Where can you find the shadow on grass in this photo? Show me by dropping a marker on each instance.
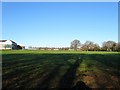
(81, 86)
(110, 61)
(46, 81)
(107, 65)
(67, 80)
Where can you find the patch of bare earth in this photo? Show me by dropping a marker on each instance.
(99, 79)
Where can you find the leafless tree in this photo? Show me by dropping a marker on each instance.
(90, 46)
(109, 46)
(75, 44)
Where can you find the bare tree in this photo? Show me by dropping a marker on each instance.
(90, 46)
(117, 47)
(109, 46)
(96, 47)
(75, 44)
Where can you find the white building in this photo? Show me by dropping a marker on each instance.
(7, 44)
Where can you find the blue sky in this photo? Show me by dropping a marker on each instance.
(57, 24)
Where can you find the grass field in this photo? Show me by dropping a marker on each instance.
(60, 69)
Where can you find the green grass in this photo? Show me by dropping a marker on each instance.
(55, 52)
(56, 69)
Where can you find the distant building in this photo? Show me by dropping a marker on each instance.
(7, 44)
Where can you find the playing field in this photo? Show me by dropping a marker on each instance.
(59, 69)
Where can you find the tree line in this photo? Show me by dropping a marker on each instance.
(91, 46)
(87, 46)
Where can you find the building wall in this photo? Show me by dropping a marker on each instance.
(2, 46)
(8, 45)
(5, 46)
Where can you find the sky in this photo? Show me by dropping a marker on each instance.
(56, 24)
(60, 0)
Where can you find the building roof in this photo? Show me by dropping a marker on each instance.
(6, 40)
(12, 41)
(3, 40)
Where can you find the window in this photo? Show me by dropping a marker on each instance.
(8, 46)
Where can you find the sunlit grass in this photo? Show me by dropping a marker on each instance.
(55, 52)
